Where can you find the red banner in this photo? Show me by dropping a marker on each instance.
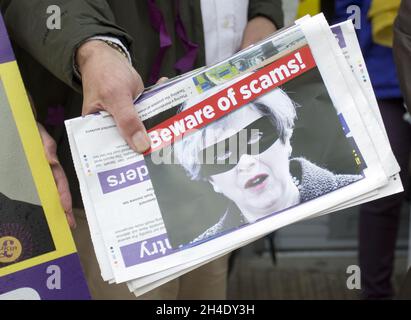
(232, 98)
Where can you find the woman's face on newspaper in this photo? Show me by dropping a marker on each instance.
(258, 183)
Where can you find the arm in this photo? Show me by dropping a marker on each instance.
(402, 49)
(50, 149)
(264, 18)
(54, 49)
(108, 81)
(60, 178)
(270, 9)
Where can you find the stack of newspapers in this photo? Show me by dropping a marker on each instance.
(285, 130)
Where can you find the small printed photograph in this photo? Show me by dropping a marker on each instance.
(234, 67)
(285, 148)
(249, 60)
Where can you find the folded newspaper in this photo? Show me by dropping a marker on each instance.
(285, 130)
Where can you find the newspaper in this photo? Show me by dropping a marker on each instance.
(348, 42)
(353, 54)
(282, 131)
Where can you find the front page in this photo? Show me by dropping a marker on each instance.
(261, 141)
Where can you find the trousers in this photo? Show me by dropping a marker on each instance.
(379, 220)
(208, 282)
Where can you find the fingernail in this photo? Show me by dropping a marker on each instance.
(141, 141)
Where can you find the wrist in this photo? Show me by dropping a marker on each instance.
(87, 51)
(94, 48)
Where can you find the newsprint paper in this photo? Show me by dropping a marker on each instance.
(285, 130)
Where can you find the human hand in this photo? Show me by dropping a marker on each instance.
(50, 149)
(111, 84)
(256, 30)
(162, 80)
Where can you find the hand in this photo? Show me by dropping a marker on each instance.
(256, 30)
(111, 84)
(50, 148)
(162, 80)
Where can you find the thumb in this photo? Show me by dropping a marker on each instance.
(131, 127)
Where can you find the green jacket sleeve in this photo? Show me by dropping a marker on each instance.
(26, 21)
(402, 49)
(271, 9)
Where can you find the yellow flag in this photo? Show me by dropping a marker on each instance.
(310, 7)
(382, 15)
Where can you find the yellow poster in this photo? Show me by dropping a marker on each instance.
(38, 258)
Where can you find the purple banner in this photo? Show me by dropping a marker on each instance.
(339, 36)
(146, 250)
(344, 124)
(6, 52)
(124, 177)
(60, 279)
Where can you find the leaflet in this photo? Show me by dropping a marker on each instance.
(282, 131)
